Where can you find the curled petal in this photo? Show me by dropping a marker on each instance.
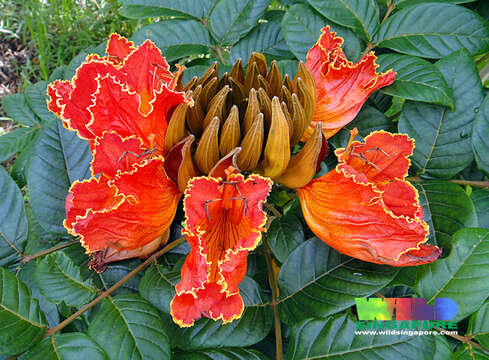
(113, 153)
(119, 47)
(341, 86)
(149, 204)
(224, 221)
(354, 219)
(382, 157)
(115, 107)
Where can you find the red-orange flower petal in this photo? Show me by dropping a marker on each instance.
(116, 108)
(119, 47)
(365, 209)
(112, 153)
(149, 204)
(341, 86)
(224, 221)
(382, 157)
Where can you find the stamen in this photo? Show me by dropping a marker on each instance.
(367, 162)
(245, 201)
(378, 149)
(349, 148)
(206, 206)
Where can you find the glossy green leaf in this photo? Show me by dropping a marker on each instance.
(158, 286)
(480, 136)
(70, 346)
(288, 67)
(27, 275)
(266, 38)
(434, 30)
(469, 352)
(141, 9)
(128, 327)
(462, 276)
(15, 141)
(16, 107)
(302, 26)
(59, 279)
(443, 137)
(35, 96)
(176, 38)
(334, 338)
(416, 79)
(362, 16)
(405, 3)
(222, 354)
(479, 325)
(22, 323)
(230, 20)
(480, 198)
(443, 350)
(13, 220)
(207, 333)
(284, 235)
(369, 119)
(317, 281)
(447, 209)
(59, 157)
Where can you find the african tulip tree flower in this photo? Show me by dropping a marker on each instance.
(155, 141)
(342, 87)
(365, 208)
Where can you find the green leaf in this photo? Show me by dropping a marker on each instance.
(59, 279)
(443, 350)
(447, 209)
(35, 96)
(462, 276)
(317, 281)
(15, 141)
(16, 107)
(416, 79)
(479, 325)
(27, 275)
(157, 286)
(231, 20)
(334, 338)
(222, 354)
(71, 346)
(207, 333)
(19, 169)
(369, 119)
(362, 16)
(469, 352)
(406, 3)
(288, 67)
(128, 327)
(59, 157)
(284, 235)
(266, 38)
(480, 141)
(142, 9)
(13, 220)
(176, 38)
(443, 137)
(302, 26)
(424, 30)
(480, 198)
(22, 323)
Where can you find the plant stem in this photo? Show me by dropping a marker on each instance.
(219, 54)
(27, 258)
(273, 209)
(274, 287)
(114, 287)
(390, 9)
(481, 184)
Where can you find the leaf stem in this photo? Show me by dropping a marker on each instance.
(481, 184)
(219, 54)
(27, 258)
(273, 209)
(114, 287)
(272, 278)
(390, 9)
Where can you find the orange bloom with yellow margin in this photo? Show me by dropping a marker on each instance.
(342, 87)
(365, 208)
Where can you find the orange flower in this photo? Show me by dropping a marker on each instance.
(126, 207)
(224, 221)
(341, 86)
(365, 208)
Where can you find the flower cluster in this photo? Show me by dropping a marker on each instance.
(220, 142)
